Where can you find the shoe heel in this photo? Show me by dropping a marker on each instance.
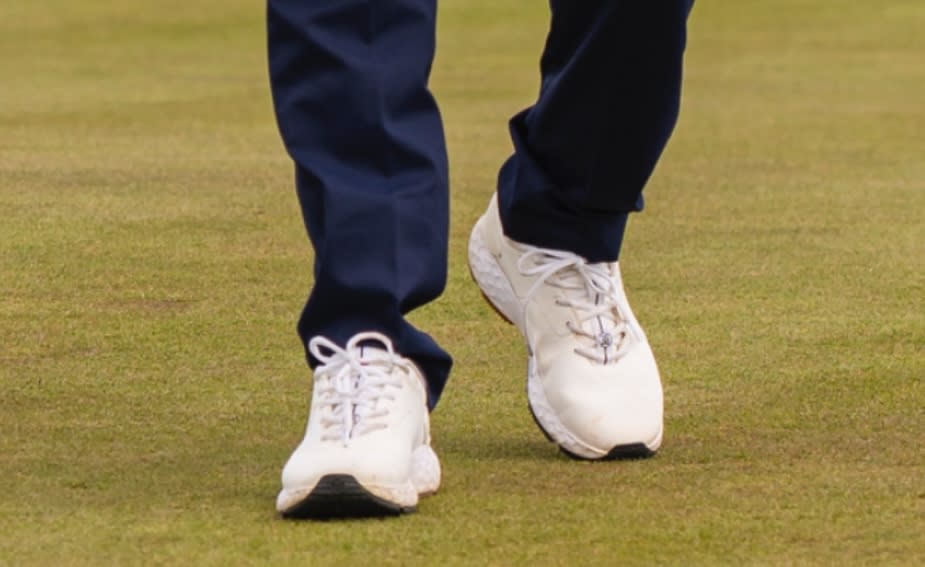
(484, 270)
(488, 299)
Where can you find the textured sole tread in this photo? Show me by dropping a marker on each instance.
(341, 496)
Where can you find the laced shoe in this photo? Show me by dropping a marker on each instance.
(592, 385)
(366, 451)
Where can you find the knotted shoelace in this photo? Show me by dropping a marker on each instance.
(356, 380)
(590, 291)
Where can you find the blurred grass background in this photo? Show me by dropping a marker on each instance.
(153, 262)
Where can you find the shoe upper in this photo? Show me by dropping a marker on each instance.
(587, 349)
(368, 414)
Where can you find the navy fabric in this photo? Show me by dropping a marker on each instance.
(609, 99)
(349, 83)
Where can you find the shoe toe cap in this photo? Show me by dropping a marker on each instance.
(607, 406)
(369, 466)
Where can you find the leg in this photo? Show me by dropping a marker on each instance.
(545, 252)
(611, 84)
(349, 81)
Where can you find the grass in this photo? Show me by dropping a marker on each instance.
(153, 264)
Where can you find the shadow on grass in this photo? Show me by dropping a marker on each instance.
(531, 447)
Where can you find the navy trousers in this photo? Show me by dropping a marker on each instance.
(349, 83)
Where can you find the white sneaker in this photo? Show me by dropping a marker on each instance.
(593, 385)
(367, 449)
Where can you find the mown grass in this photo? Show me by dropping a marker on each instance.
(153, 264)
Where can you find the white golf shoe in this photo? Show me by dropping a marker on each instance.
(593, 385)
(366, 451)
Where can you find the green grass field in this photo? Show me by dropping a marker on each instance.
(153, 263)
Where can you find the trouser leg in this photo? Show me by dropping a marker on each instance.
(609, 100)
(349, 83)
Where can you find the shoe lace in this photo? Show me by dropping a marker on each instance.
(357, 382)
(590, 291)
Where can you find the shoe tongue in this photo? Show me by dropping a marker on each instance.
(371, 354)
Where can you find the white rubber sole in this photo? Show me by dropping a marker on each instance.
(344, 495)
